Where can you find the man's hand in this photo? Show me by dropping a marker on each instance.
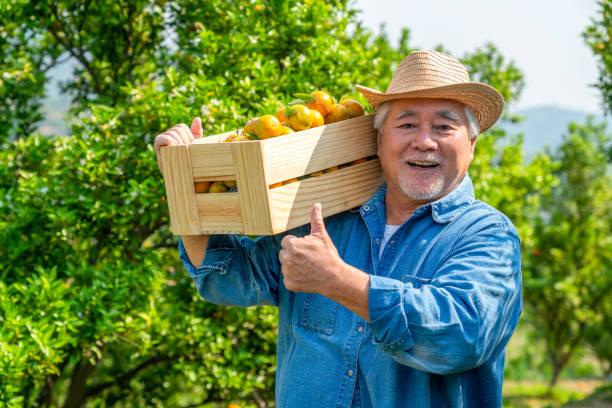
(311, 262)
(178, 135)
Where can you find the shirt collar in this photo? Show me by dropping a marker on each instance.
(443, 210)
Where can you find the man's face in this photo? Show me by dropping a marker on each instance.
(425, 148)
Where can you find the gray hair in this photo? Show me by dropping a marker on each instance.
(383, 110)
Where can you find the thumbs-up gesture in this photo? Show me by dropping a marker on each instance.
(311, 262)
(179, 134)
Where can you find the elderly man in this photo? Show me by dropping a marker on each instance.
(408, 301)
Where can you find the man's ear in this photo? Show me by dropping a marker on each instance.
(378, 136)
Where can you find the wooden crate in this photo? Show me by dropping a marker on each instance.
(257, 209)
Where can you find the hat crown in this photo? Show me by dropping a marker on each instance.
(427, 69)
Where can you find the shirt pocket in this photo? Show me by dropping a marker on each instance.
(315, 312)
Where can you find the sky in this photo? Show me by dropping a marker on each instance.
(542, 37)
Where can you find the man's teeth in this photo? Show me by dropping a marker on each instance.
(422, 163)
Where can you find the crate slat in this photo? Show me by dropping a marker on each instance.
(219, 213)
(212, 161)
(180, 191)
(336, 191)
(252, 187)
(319, 148)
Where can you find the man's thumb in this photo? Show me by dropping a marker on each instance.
(196, 128)
(317, 227)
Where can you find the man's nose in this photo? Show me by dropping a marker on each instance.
(423, 139)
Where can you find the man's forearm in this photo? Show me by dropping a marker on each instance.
(351, 290)
(195, 245)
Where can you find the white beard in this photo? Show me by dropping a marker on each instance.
(420, 192)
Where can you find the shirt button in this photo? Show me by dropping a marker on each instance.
(350, 373)
(360, 329)
(377, 241)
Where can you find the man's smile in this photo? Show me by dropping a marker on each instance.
(423, 164)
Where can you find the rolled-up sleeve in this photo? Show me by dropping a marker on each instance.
(462, 316)
(237, 271)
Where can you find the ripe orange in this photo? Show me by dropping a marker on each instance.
(300, 117)
(280, 115)
(267, 126)
(317, 118)
(362, 160)
(336, 114)
(217, 187)
(353, 107)
(280, 183)
(293, 180)
(250, 126)
(285, 130)
(322, 102)
(201, 186)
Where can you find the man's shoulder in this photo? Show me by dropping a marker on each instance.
(485, 215)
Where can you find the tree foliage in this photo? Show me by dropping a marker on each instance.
(567, 275)
(598, 36)
(94, 304)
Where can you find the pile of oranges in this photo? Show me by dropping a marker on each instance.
(309, 111)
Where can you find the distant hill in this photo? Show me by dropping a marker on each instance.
(545, 126)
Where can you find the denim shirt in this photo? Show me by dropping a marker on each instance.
(444, 299)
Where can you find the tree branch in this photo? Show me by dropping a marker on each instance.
(127, 376)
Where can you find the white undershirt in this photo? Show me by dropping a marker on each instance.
(389, 231)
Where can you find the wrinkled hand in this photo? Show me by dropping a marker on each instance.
(178, 135)
(311, 263)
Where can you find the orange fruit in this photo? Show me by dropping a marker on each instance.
(285, 130)
(322, 102)
(267, 126)
(300, 117)
(250, 126)
(280, 183)
(217, 187)
(333, 168)
(230, 184)
(201, 186)
(362, 160)
(336, 114)
(353, 107)
(317, 118)
(280, 115)
(293, 180)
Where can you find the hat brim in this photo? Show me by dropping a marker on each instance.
(484, 100)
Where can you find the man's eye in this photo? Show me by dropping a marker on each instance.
(444, 128)
(407, 125)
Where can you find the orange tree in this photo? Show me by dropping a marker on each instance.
(94, 305)
(598, 36)
(568, 273)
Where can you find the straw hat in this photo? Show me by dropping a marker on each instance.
(431, 74)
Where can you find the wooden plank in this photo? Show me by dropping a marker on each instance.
(336, 191)
(180, 191)
(215, 138)
(319, 148)
(219, 213)
(252, 187)
(212, 161)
